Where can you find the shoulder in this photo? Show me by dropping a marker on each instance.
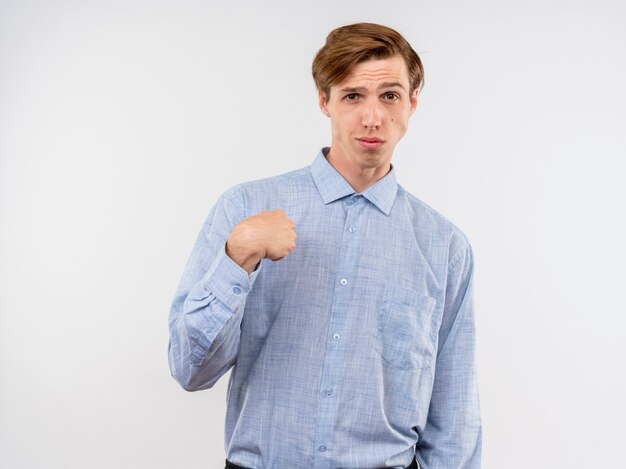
(270, 189)
(292, 177)
(426, 219)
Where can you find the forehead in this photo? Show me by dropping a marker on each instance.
(375, 71)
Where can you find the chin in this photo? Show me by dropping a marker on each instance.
(372, 162)
(375, 156)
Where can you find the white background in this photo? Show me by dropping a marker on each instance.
(122, 121)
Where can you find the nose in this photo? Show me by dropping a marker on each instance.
(371, 116)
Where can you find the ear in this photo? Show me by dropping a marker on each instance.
(321, 96)
(414, 99)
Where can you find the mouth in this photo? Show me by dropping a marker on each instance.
(370, 143)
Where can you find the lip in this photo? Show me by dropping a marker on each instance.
(370, 143)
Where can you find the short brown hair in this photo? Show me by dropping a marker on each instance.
(355, 43)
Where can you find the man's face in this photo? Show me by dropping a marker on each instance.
(369, 113)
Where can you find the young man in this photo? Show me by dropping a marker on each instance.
(352, 346)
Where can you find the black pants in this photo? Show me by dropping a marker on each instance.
(230, 465)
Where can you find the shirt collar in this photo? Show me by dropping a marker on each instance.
(332, 186)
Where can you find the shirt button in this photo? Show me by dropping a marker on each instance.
(329, 392)
(236, 289)
(344, 282)
(336, 336)
(322, 448)
(352, 229)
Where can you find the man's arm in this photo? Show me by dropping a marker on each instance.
(453, 433)
(207, 310)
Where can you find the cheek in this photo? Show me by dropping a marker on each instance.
(400, 122)
(347, 122)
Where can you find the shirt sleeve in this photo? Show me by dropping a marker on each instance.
(206, 313)
(452, 436)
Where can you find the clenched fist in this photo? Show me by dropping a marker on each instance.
(268, 235)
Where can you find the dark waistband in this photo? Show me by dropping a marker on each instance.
(230, 465)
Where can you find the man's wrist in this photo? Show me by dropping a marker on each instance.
(247, 259)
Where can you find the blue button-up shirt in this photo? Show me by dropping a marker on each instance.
(356, 350)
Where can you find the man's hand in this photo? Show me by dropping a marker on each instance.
(268, 235)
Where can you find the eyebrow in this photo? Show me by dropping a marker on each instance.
(359, 89)
(391, 84)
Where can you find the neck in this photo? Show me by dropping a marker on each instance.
(359, 178)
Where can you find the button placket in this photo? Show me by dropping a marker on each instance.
(338, 341)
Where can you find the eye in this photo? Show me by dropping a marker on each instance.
(391, 97)
(351, 97)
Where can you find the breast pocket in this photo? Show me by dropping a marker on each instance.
(405, 337)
